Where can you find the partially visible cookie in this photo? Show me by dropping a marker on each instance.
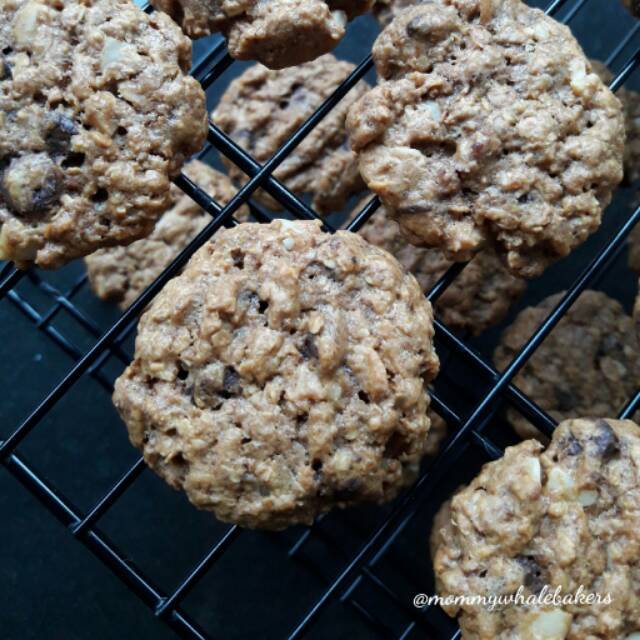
(282, 373)
(633, 6)
(588, 365)
(262, 108)
(564, 517)
(437, 433)
(631, 105)
(120, 274)
(96, 114)
(477, 299)
(278, 33)
(488, 127)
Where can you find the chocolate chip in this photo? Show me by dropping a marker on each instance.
(31, 184)
(571, 445)
(396, 445)
(60, 128)
(5, 70)
(73, 159)
(308, 347)
(534, 578)
(231, 382)
(238, 258)
(100, 195)
(606, 441)
(610, 347)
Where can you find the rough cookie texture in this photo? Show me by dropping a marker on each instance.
(386, 10)
(568, 516)
(488, 128)
(96, 114)
(588, 365)
(437, 433)
(284, 372)
(477, 299)
(278, 33)
(261, 109)
(631, 105)
(120, 274)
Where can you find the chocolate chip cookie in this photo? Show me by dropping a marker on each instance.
(477, 299)
(262, 108)
(588, 365)
(120, 274)
(282, 373)
(488, 127)
(540, 519)
(277, 33)
(96, 114)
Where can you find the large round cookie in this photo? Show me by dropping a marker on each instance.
(282, 373)
(96, 114)
(488, 128)
(477, 299)
(567, 517)
(261, 109)
(120, 274)
(589, 365)
(277, 33)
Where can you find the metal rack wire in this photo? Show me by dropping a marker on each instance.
(360, 573)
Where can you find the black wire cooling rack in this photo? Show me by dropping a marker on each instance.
(363, 562)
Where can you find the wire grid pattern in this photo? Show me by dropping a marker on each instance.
(356, 568)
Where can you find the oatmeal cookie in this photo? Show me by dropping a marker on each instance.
(539, 519)
(488, 127)
(282, 373)
(277, 33)
(121, 274)
(261, 109)
(588, 365)
(631, 105)
(476, 300)
(96, 114)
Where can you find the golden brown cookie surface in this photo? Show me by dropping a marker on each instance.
(282, 373)
(277, 33)
(477, 299)
(488, 127)
(588, 365)
(120, 274)
(96, 115)
(566, 516)
(261, 109)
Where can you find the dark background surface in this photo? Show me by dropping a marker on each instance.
(51, 587)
